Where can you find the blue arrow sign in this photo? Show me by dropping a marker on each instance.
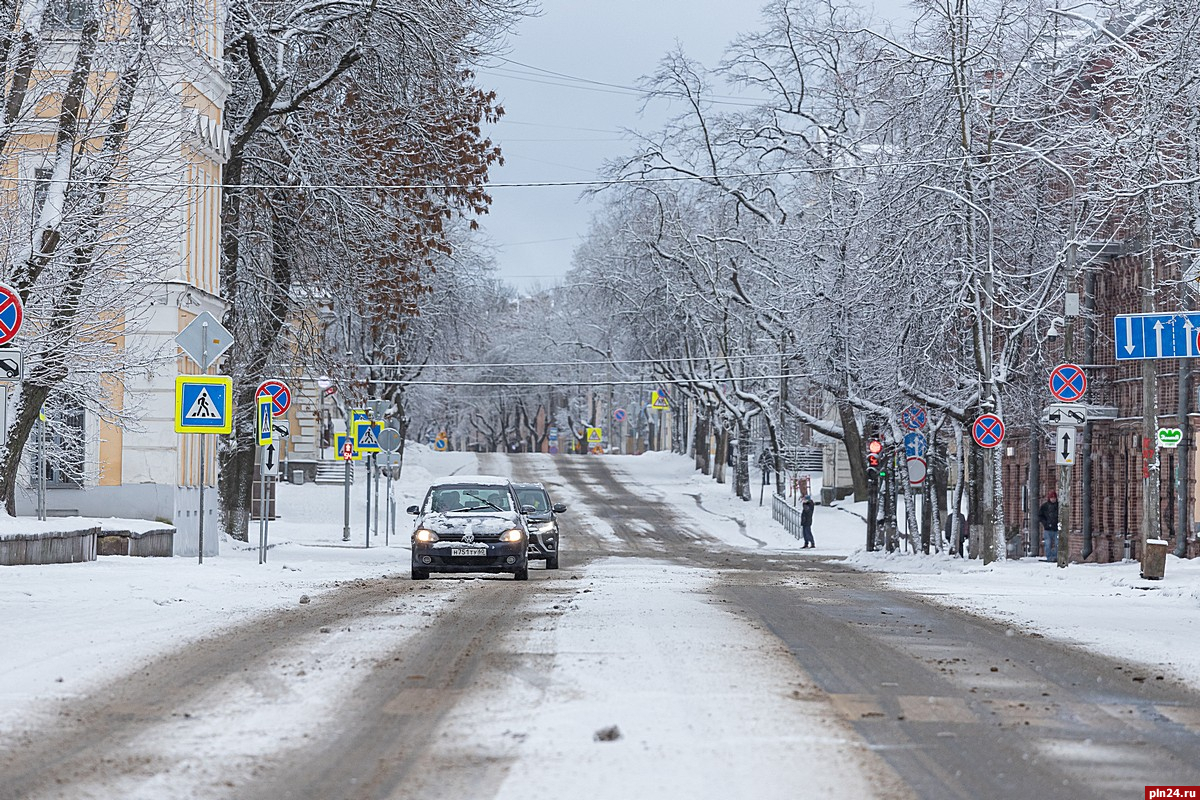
(1145, 336)
(915, 445)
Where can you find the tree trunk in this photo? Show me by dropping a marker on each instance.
(248, 363)
(855, 452)
(741, 479)
(722, 454)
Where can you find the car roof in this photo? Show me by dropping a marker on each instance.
(529, 486)
(471, 480)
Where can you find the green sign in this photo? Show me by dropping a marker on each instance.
(1170, 437)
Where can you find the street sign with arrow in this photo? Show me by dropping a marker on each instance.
(270, 461)
(1064, 445)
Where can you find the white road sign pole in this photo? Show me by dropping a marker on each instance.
(203, 444)
(262, 505)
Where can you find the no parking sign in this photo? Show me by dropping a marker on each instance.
(988, 431)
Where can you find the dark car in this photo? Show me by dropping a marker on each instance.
(470, 524)
(541, 519)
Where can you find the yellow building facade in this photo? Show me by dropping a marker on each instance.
(130, 462)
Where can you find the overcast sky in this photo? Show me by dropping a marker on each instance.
(562, 129)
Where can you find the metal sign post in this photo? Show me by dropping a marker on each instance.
(389, 443)
(347, 453)
(262, 505)
(265, 432)
(370, 459)
(204, 340)
(375, 473)
(42, 465)
(203, 444)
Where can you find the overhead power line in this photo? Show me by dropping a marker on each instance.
(631, 180)
(600, 363)
(641, 382)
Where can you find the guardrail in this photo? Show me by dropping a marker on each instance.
(786, 515)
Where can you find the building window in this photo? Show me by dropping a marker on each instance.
(64, 448)
(68, 15)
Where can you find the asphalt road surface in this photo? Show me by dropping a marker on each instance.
(950, 702)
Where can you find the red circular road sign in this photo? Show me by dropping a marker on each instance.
(913, 418)
(916, 470)
(11, 313)
(1068, 383)
(988, 431)
(280, 394)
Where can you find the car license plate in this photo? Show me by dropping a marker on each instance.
(468, 551)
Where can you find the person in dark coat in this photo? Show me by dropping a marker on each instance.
(1048, 517)
(806, 515)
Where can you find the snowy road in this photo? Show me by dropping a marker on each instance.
(720, 668)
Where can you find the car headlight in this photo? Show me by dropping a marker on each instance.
(545, 527)
(513, 535)
(425, 535)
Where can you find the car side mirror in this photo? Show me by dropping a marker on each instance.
(414, 510)
(560, 508)
(527, 510)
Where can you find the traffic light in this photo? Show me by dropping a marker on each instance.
(874, 449)
(874, 453)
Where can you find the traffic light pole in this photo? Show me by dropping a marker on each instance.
(872, 501)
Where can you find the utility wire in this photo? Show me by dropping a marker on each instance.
(641, 382)
(676, 178)
(602, 363)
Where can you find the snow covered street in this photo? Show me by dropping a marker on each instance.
(685, 649)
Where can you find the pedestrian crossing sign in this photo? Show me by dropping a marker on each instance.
(595, 435)
(263, 430)
(658, 401)
(366, 436)
(203, 404)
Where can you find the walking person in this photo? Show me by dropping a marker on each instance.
(1048, 517)
(806, 515)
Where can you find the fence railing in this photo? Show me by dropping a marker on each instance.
(786, 515)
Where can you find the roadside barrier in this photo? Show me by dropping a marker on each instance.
(786, 515)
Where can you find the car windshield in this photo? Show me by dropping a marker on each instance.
(534, 497)
(470, 498)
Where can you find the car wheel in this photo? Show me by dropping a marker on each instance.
(522, 574)
(420, 574)
(552, 561)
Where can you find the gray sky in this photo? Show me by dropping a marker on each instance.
(558, 129)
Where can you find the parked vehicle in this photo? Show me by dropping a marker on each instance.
(541, 519)
(470, 523)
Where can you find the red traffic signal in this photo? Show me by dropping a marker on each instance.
(874, 448)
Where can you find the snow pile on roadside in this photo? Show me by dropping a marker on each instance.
(30, 528)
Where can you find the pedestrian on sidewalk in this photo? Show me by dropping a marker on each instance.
(806, 515)
(1048, 517)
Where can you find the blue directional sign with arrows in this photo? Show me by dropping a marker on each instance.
(914, 445)
(1145, 336)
